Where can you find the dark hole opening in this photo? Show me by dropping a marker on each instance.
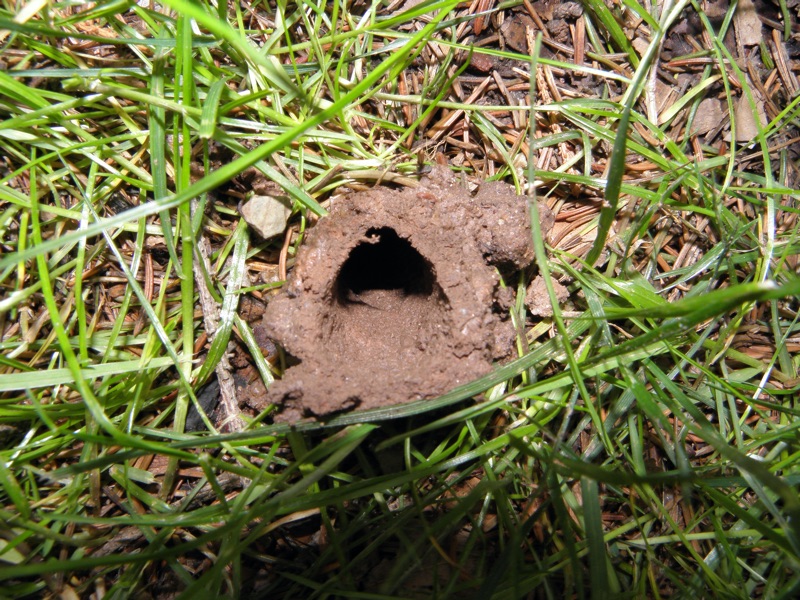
(388, 263)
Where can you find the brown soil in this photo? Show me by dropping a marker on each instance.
(396, 296)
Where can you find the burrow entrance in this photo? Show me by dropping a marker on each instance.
(384, 261)
(388, 309)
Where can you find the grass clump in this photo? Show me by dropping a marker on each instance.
(644, 443)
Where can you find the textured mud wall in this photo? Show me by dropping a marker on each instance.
(395, 296)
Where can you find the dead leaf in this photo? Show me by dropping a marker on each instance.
(746, 125)
(747, 24)
(514, 31)
(640, 45)
(708, 116)
(666, 95)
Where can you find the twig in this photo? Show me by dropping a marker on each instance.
(232, 420)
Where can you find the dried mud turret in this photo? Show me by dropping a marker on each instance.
(396, 297)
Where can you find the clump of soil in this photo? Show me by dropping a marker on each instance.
(396, 297)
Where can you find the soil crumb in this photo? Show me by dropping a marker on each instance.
(396, 296)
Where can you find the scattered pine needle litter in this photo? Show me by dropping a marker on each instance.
(644, 439)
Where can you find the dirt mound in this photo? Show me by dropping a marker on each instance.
(395, 296)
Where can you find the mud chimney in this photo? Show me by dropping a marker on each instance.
(396, 297)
